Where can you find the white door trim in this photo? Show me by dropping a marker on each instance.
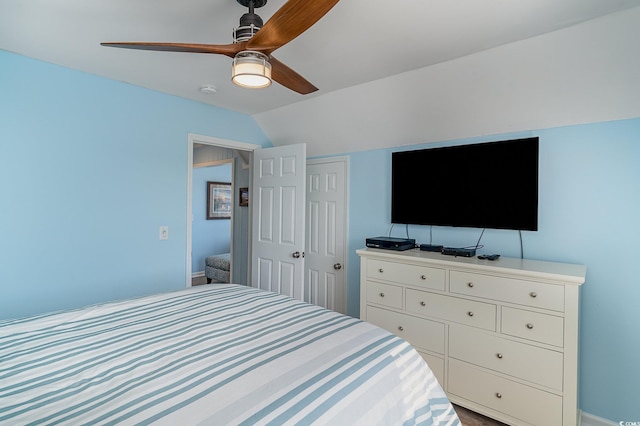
(193, 138)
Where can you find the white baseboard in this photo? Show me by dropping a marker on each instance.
(587, 419)
(197, 274)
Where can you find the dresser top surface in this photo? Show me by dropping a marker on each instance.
(567, 272)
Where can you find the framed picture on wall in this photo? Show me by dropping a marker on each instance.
(243, 197)
(218, 200)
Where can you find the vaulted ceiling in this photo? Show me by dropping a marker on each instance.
(357, 42)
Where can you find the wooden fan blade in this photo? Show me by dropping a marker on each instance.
(291, 20)
(229, 50)
(289, 78)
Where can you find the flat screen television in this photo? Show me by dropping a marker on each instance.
(484, 185)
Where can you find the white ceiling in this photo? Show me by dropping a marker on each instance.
(358, 41)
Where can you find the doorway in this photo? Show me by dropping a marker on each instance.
(328, 269)
(211, 233)
(240, 154)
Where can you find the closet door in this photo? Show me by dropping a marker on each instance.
(325, 261)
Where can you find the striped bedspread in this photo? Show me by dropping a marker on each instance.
(215, 355)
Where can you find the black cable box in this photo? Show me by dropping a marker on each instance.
(391, 243)
(464, 252)
(430, 247)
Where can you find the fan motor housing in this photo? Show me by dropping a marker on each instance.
(250, 22)
(249, 19)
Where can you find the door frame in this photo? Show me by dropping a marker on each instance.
(193, 138)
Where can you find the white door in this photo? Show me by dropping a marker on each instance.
(325, 260)
(278, 197)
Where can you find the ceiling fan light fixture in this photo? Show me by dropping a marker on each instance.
(251, 69)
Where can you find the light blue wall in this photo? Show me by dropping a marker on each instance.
(90, 169)
(209, 236)
(589, 213)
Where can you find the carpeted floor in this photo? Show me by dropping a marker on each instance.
(198, 280)
(201, 280)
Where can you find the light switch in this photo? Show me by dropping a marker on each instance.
(164, 232)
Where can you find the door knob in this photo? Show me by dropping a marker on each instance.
(337, 266)
(296, 255)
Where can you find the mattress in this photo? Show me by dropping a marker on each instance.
(212, 354)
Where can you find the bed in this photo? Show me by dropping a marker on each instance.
(213, 354)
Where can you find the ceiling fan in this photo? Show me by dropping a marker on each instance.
(253, 64)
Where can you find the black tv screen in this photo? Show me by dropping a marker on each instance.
(484, 185)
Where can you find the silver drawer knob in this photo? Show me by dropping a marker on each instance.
(423, 304)
(498, 395)
(499, 356)
(381, 294)
(401, 328)
(424, 277)
(469, 284)
(533, 294)
(470, 313)
(381, 270)
(530, 326)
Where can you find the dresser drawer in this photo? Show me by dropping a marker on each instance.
(384, 294)
(533, 326)
(530, 405)
(420, 332)
(424, 276)
(531, 363)
(522, 292)
(436, 364)
(469, 312)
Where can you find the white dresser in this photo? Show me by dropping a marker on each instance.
(501, 336)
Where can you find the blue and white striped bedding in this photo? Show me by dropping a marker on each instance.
(215, 354)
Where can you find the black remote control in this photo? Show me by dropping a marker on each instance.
(489, 256)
